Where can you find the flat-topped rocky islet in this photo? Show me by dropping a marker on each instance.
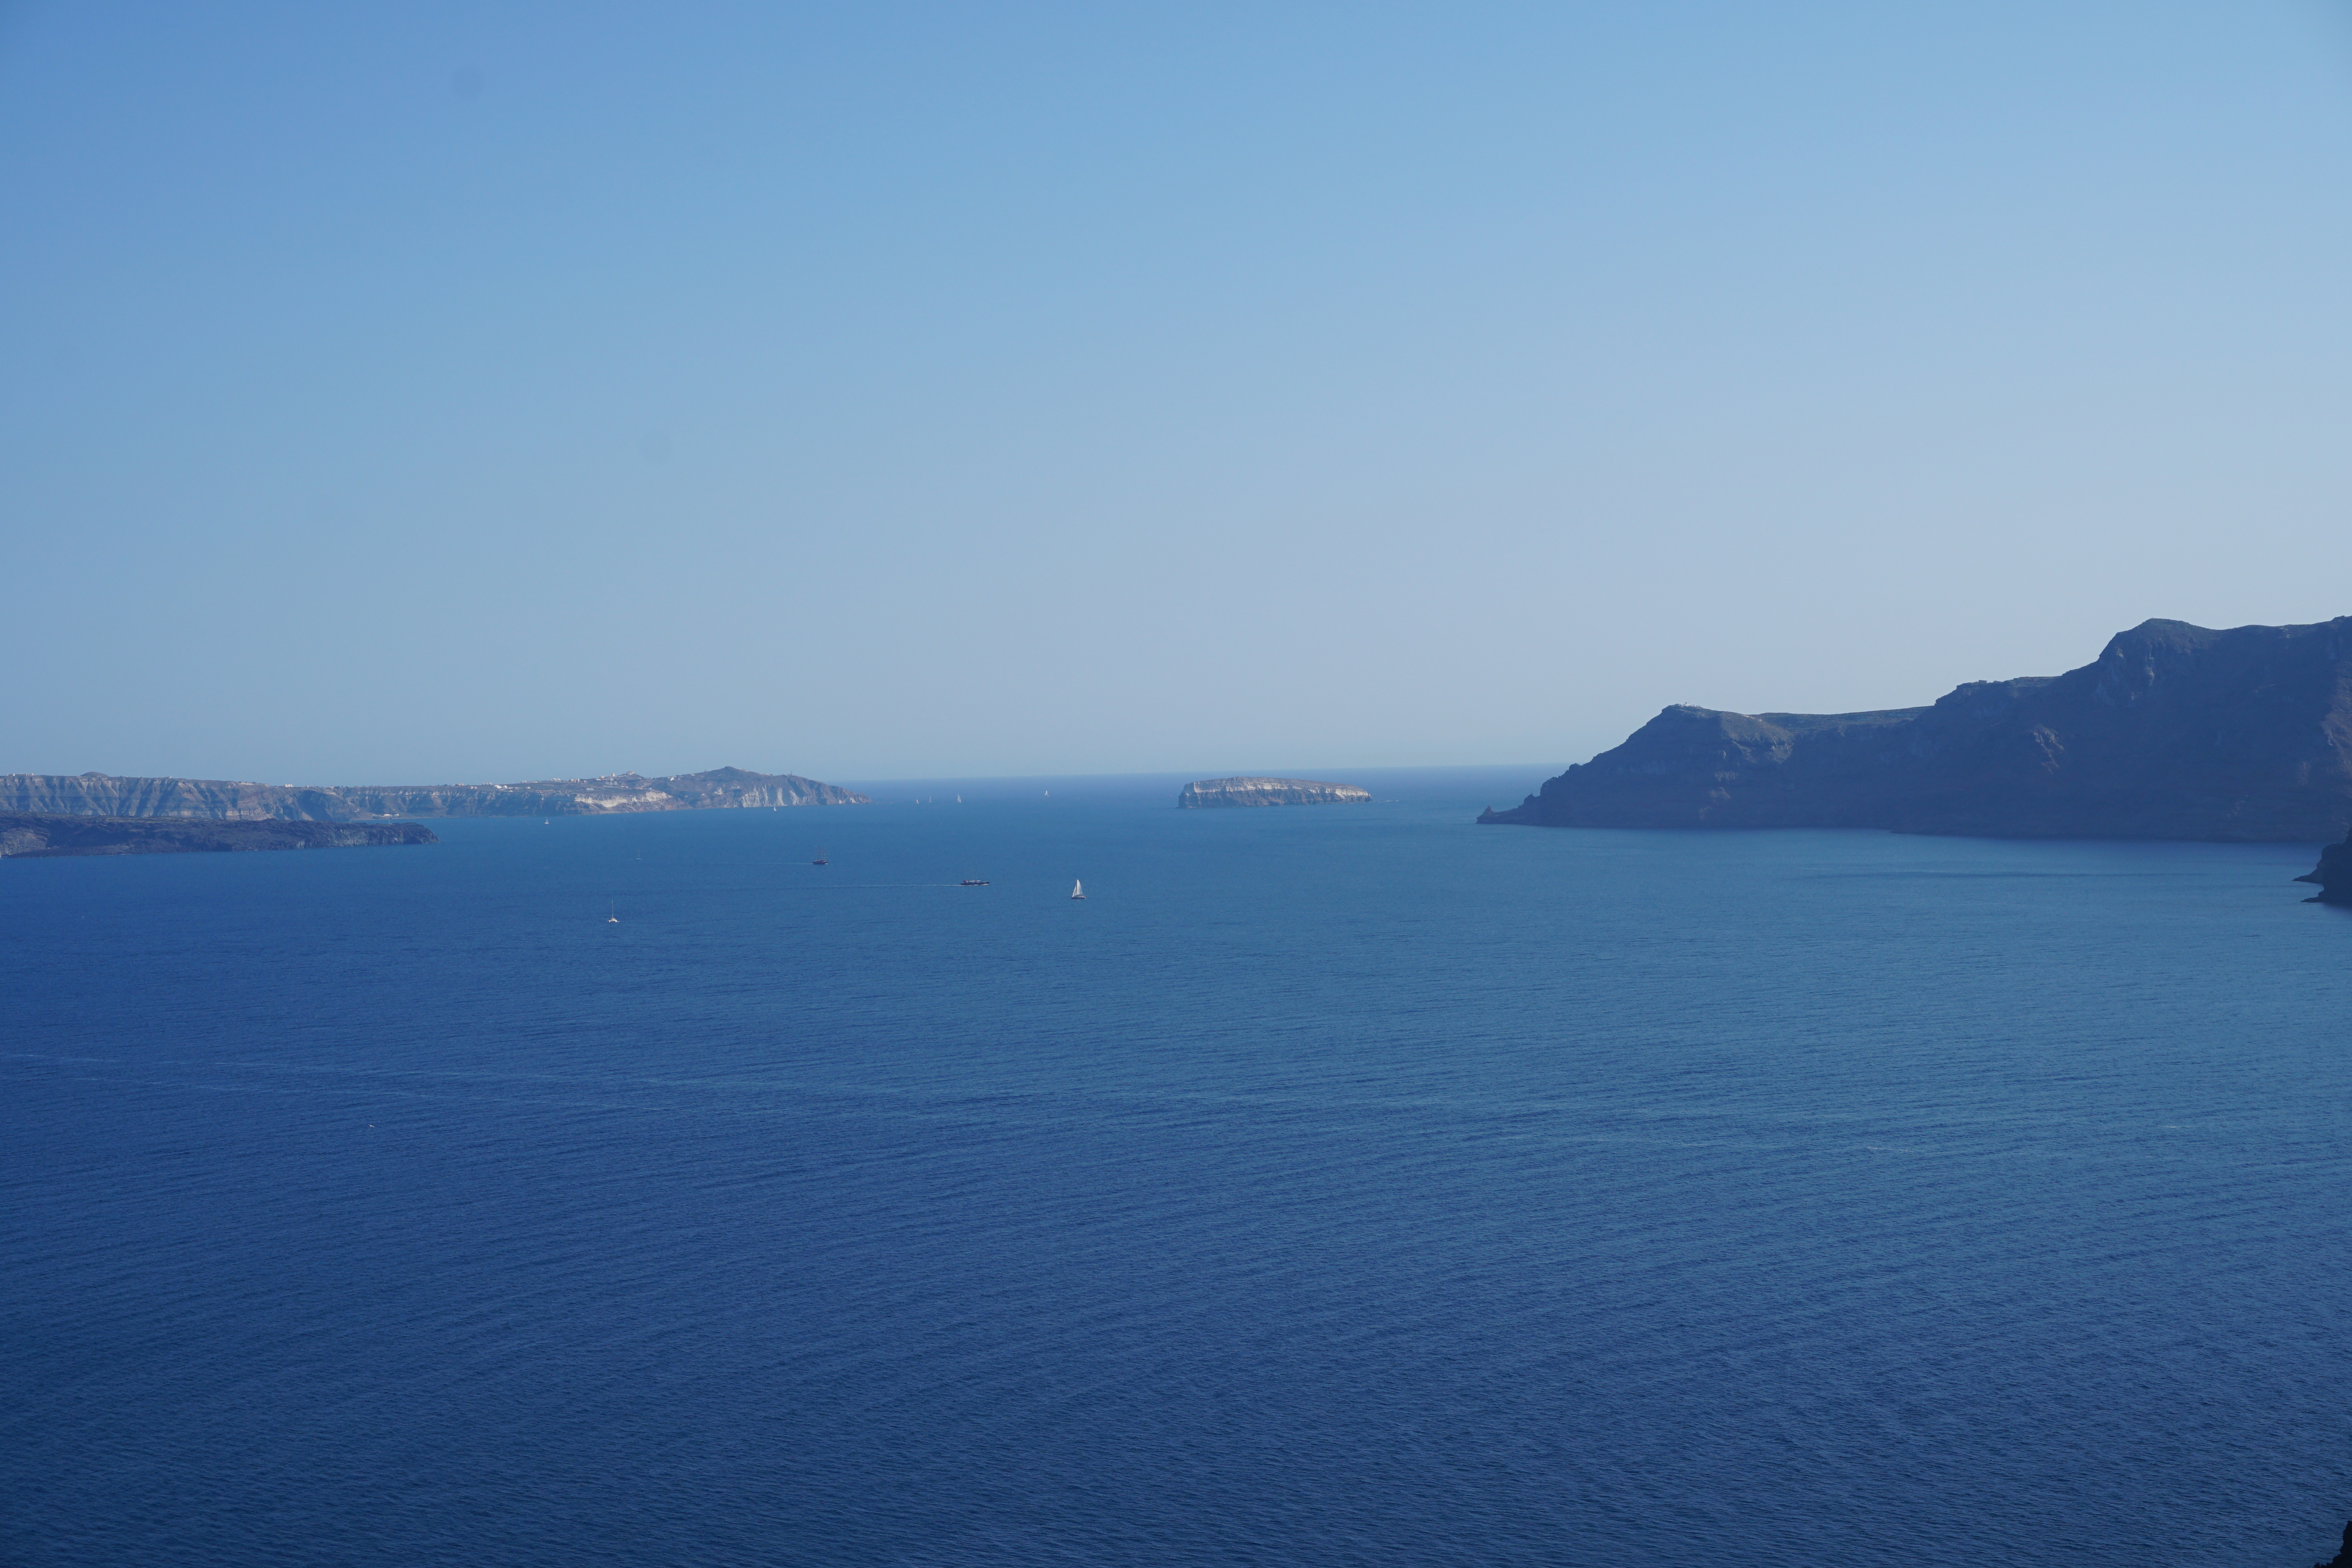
(1203, 792)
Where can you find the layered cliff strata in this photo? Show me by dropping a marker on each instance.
(26, 835)
(1267, 792)
(102, 795)
(2174, 732)
(220, 800)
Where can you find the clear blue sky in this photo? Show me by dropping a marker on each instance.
(422, 393)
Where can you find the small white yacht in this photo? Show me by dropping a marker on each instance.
(1077, 888)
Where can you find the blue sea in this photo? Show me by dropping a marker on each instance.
(1332, 1185)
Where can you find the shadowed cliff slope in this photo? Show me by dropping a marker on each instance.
(2174, 732)
(102, 795)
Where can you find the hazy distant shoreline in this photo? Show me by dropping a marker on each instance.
(216, 800)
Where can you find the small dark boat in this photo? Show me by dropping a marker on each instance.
(973, 881)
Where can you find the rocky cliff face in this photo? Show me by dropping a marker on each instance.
(2174, 732)
(2334, 875)
(100, 795)
(24, 835)
(1267, 792)
(611, 794)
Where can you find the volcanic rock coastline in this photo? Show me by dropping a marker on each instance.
(26, 835)
(1250, 791)
(103, 795)
(2174, 732)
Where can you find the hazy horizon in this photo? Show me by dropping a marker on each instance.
(997, 785)
(457, 393)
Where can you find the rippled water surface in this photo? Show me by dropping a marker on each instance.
(1347, 1185)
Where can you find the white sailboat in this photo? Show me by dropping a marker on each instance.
(1077, 888)
(613, 912)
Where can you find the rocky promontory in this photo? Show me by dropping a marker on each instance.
(2174, 732)
(26, 834)
(1267, 792)
(103, 795)
(2334, 875)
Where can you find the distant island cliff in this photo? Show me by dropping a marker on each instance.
(1250, 791)
(103, 795)
(26, 835)
(2173, 732)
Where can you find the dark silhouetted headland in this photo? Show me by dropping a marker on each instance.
(2334, 875)
(2174, 732)
(25, 835)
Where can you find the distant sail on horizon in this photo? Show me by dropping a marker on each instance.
(1077, 888)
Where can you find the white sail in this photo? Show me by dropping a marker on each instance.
(1077, 888)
